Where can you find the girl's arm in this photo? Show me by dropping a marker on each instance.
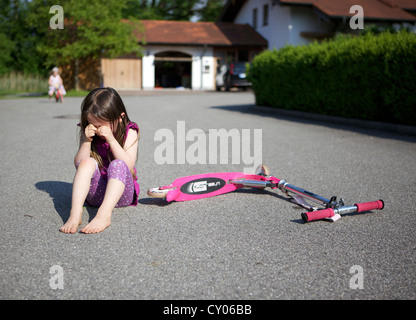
(129, 153)
(83, 151)
(85, 143)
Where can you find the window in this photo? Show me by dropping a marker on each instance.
(265, 15)
(231, 55)
(242, 55)
(255, 18)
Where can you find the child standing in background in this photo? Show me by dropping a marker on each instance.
(105, 176)
(55, 83)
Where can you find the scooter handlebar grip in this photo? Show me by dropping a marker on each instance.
(367, 206)
(317, 215)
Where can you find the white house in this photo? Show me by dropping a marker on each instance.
(182, 54)
(296, 22)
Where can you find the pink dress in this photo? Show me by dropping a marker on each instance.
(56, 82)
(115, 169)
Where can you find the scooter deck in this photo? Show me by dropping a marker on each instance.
(205, 185)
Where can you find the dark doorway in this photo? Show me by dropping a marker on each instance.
(173, 69)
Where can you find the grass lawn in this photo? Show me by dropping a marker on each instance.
(14, 94)
(18, 85)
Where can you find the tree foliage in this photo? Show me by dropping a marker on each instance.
(92, 28)
(18, 39)
(180, 10)
(211, 10)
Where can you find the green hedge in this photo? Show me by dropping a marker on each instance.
(370, 77)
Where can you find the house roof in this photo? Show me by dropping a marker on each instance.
(382, 10)
(409, 5)
(199, 33)
(390, 10)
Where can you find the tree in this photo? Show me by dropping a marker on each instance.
(180, 10)
(92, 28)
(211, 10)
(6, 48)
(17, 39)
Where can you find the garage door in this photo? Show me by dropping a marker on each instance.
(122, 74)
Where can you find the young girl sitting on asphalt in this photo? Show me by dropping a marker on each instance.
(105, 176)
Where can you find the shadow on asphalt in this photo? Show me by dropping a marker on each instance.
(60, 192)
(154, 202)
(250, 109)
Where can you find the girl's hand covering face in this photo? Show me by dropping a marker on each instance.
(106, 133)
(90, 132)
(100, 128)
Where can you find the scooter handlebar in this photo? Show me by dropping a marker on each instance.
(328, 213)
(318, 215)
(366, 206)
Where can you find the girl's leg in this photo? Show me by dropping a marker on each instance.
(102, 220)
(119, 192)
(51, 91)
(80, 188)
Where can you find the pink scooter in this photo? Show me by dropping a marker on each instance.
(212, 184)
(58, 93)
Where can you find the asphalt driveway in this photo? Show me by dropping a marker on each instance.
(243, 245)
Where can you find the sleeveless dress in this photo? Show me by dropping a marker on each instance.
(100, 177)
(56, 82)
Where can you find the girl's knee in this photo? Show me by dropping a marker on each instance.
(87, 163)
(118, 169)
(118, 164)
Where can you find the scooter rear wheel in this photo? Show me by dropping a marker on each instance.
(262, 170)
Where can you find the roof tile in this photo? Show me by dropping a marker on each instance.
(373, 9)
(199, 33)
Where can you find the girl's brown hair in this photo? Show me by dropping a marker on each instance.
(105, 104)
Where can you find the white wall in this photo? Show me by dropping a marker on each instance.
(305, 20)
(276, 32)
(148, 71)
(201, 57)
(285, 23)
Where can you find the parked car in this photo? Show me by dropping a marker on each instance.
(231, 76)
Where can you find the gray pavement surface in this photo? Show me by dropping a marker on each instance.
(243, 245)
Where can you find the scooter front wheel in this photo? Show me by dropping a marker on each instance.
(159, 192)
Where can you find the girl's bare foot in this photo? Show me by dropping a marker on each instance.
(98, 224)
(71, 226)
